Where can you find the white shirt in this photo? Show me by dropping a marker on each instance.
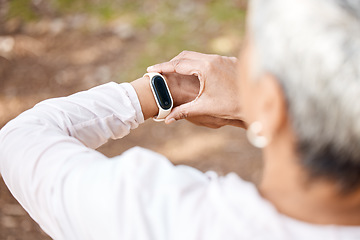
(74, 192)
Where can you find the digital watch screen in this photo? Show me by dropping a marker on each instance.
(161, 92)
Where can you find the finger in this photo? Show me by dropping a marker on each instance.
(215, 122)
(165, 67)
(234, 59)
(206, 121)
(192, 55)
(236, 123)
(225, 122)
(186, 110)
(183, 66)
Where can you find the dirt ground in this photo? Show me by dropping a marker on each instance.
(36, 64)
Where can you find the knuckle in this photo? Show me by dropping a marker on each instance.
(175, 63)
(182, 115)
(233, 59)
(217, 59)
(208, 65)
(184, 53)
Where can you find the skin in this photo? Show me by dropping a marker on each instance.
(285, 182)
(221, 91)
(183, 89)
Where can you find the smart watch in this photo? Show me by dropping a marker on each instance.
(161, 94)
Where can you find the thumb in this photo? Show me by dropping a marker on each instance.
(183, 111)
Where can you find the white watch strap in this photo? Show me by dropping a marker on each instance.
(162, 112)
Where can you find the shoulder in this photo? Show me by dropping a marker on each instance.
(193, 203)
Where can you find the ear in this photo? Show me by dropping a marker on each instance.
(271, 109)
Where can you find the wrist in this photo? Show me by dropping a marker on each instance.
(162, 95)
(146, 98)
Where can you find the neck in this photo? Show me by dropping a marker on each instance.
(286, 185)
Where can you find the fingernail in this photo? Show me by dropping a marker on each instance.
(150, 68)
(171, 120)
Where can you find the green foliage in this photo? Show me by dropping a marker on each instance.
(24, 9)
(104, 10)
(21, 9)
(68, 4)
(142, 21)
(225, 11)
(169, 26)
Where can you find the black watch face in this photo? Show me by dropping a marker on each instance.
(161, 92)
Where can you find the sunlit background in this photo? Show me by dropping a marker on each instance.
(52, 48)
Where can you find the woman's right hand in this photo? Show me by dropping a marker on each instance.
(217, 103)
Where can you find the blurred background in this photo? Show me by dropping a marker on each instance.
(52, 48)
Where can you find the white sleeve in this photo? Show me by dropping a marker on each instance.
(74, 192)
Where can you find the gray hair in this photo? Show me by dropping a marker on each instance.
(313, 48)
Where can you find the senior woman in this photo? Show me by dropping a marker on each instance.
(295, 92)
